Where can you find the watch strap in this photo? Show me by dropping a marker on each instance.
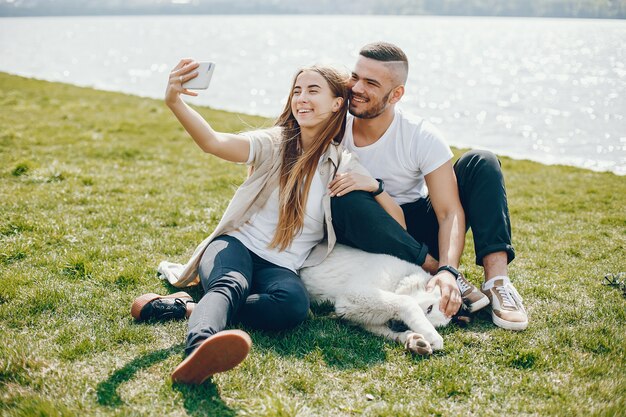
(381, 187)
(450, 269)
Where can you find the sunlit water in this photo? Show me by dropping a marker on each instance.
(549, 90)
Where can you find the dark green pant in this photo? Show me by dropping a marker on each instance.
(242, 287)
(359, 221)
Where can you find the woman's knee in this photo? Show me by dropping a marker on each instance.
(231, 284)
(295, 305)
(225, 259)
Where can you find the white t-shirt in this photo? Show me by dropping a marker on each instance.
(409, 149)
(257, 233)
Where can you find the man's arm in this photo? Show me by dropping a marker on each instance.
(444, 196)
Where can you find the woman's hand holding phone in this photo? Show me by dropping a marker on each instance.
(228, 146)
(203, 79)
(183, 72)
(186, 76)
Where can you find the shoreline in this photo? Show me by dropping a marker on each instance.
(618, 171)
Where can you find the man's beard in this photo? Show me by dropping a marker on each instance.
(373, 112)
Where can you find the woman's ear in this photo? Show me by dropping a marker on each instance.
(337, 104)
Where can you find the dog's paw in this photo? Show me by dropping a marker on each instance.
(417, 344)
(436, 342)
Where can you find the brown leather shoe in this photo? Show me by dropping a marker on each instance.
(161, 307)
(219, 353)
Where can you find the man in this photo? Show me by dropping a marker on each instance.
(410, 161)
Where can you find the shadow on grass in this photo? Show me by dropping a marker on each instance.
(345, 346)
(107, 390)
(202, 400)
(324, 337)
(340, 344)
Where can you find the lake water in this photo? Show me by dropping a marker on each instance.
(550, 90)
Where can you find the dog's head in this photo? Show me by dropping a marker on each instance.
(430, 304)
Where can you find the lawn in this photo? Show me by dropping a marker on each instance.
(96, 188)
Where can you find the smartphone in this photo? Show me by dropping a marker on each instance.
(201, 82)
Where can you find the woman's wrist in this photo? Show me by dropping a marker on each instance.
(173, 102)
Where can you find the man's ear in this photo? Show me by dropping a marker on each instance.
(337, 104)
(396, 94)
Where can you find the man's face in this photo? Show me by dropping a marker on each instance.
(371, 85)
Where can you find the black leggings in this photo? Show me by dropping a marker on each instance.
(361, 222)
(241, 287)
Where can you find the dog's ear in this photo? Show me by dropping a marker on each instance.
(462, 317)
(461, 320)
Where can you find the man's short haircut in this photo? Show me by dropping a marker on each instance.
(390, 53)
(383, 51)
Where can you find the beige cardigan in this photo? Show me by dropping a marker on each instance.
(253, 194)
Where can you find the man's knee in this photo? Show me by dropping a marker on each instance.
(350, 212)
(478, 164)
(478, 158)
(348, 203)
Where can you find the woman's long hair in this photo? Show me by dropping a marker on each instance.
(298, 166)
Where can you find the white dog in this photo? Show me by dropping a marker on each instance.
(373, 289)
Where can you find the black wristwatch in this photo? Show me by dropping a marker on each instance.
(381, 187)
(450, 269)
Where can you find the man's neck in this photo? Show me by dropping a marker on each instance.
(367, 131)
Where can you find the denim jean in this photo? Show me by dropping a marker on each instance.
(240, 286)
(361, 222)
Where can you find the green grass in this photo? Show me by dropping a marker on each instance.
(96, 188)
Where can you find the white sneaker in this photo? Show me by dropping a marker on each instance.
(507, 310)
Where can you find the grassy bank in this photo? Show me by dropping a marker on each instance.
(96, 188)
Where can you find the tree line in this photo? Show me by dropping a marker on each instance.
(615, 9)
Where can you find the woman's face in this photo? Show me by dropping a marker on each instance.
(312, 101)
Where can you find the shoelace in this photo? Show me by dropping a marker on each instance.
(463, 285)
(179, 308)
(181, 302)
(510, 296)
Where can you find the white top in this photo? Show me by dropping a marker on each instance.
(253, 194)
(257, 233)
(410, 149)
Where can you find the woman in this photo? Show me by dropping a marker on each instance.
(277, 222)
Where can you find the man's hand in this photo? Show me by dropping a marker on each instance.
(349, 181)
(450, 294)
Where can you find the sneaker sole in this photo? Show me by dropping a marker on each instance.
(141, 301)
(479, 305)
(219, 353)
(508, 325)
